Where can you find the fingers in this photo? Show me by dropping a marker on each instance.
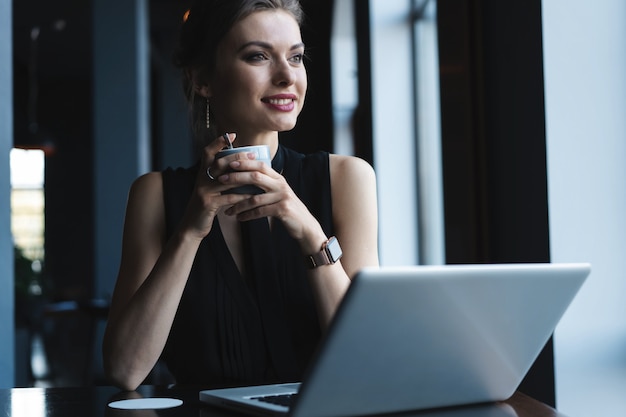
(255, 206)
(208, 158)
(203, 208)
(234, 170)
(241, 169)
(275, 201)
(249, 172)
(224, 141)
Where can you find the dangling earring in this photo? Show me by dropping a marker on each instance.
(208, 122)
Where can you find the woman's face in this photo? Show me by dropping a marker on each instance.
(259, 83)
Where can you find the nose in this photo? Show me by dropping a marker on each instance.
(284, 73)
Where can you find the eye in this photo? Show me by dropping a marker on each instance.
(255, 57)
(297, 58)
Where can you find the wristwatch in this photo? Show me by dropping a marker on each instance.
(328, 255)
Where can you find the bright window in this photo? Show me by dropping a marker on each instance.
(27, 202)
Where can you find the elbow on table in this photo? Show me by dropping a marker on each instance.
(121, 374)
(122, 379)
(120, 370)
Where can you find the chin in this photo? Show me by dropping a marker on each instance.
(284, 127)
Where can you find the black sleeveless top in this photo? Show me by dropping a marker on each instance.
(221, 335)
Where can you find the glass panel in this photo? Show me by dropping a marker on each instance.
(27, 219)
(428, 126)
(27, 202)
(344, 75)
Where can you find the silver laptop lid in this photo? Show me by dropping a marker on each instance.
(419, 337)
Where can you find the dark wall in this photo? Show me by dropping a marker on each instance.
(56, 95)
(314, 130)
(52, 106)
(362, 126)
(493, 142)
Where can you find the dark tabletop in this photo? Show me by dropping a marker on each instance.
(93, 402)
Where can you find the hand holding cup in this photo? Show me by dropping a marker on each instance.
(261, 152)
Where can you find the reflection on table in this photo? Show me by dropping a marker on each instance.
(94, 402)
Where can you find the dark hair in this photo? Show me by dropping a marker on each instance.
(207, 22)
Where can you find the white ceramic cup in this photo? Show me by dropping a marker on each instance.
(262, 153)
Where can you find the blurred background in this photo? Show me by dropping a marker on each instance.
(509, 116)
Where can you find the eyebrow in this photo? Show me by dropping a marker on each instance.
(266, 45)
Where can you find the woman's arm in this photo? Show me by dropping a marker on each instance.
(355, 217)
(149, 286)
(153, 273)
(355, 211)
(353, 188)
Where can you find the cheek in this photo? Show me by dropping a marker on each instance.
(303, 86)
(231, 90)
(304, 83)
(301, 80)
(224, 85)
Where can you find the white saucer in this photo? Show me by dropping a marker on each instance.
(145, 403)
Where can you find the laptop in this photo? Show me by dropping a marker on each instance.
(423, 337)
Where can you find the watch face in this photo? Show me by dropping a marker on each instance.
(334, 250)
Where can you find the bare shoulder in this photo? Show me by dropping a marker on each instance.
(355, 212)
(348, 169)
(353, 183)
(144, 225)
(147, 185)
(145, 211)
(142, 242)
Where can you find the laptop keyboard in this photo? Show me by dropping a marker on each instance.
(282, 399)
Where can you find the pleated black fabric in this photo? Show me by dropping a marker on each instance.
(230, 330)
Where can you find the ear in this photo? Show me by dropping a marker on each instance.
(202, 90)
(200, 84)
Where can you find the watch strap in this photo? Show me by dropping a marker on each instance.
(324, 256)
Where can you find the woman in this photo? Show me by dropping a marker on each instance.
(217, 283)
